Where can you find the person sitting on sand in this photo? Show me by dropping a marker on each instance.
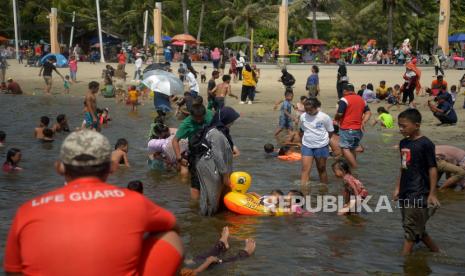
(214, 255)
(382, 90)
(444, 111)
(438, 84)
(369, 95)
(61, 125)
(120, 155)
(354, 190)
(384, 118)
(13, 157)
(48, 135)
(39, 131)
(221, 91)
(13, 87)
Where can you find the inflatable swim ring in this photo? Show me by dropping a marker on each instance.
(243, 203)
(292, 156)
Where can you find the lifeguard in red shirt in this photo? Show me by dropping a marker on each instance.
(89, 227)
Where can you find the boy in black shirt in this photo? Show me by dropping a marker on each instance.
(416, 187)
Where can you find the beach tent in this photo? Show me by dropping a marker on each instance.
(457, 38)
(310, 41)
(2, 38)
(61, 60)
(237, 39)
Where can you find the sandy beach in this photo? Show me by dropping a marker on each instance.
(270, 89)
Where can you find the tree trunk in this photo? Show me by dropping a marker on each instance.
(314, 27)
(202, 14)
(247, 28)
(390, 17)
(184, 16)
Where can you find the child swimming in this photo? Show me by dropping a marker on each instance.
(48, 135)
(39, 131)
(13, 157)
(2, 138)
(353, 188)
(61, 125)
(218, 250)
(384, 119)
(120, 155)
(136, 185)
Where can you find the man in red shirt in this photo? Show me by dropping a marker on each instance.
(89, 227)
(13, 87)
(352, 115)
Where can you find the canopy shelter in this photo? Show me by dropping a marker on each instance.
(2, 38)
(186, 38)
(310, 41)
(237, 39)
(457, 38)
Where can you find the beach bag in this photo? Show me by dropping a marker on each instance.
(198, 145)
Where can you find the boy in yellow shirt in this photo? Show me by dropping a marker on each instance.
(133, 96)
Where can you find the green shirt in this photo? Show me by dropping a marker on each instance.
(387, 120)
(189, 127)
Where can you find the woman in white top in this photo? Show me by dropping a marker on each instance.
(318, 128)
(193, 84)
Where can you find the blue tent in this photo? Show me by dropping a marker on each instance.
(163, 37)
(457, 38)
(61, 60)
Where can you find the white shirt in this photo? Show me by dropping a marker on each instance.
(138, 63)
(240, 62)
(316, 128)
(193, 84)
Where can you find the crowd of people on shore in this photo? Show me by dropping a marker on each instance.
(202, 147)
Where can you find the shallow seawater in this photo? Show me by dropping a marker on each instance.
(323, 243)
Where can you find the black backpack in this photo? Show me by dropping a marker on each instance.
(198, 144)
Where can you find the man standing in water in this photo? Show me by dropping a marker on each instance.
(199, 118)
(90, 102)
(89, 227)
(352, 115)
(47, 68)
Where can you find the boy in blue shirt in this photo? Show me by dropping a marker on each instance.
(416, 186)
(286, 118)
(444, 111)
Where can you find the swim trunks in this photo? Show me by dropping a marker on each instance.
(89, 122)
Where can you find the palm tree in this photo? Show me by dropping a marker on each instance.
(248, 14)
(389, 5)
(202, 15)
(184, 16)
(301, 8)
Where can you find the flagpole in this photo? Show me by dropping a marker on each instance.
(146, 18)
(72, 31)
(15, 20)
(102, 58)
